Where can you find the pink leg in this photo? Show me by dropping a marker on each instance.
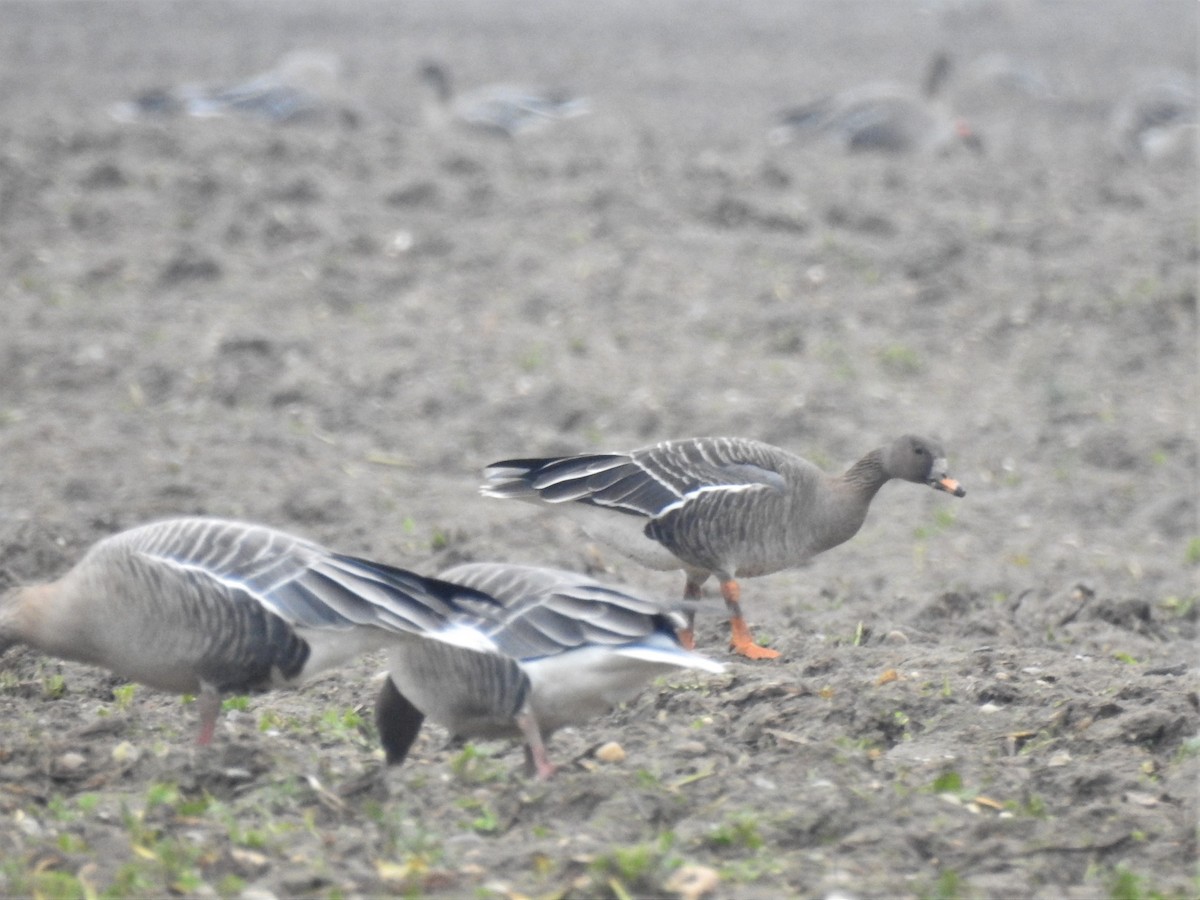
(209, 704)
(535, 747)
(691, 591)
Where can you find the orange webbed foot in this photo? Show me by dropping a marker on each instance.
(751, 650)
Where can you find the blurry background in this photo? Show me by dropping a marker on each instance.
(330, 324)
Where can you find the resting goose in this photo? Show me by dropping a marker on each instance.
(561, 649)
(729, 507)
(505, 109)
(207, 606)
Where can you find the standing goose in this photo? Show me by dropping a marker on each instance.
(504, 109)
(728, 507)
(206, 606)
(561, 649)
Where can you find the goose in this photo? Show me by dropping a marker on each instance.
(302, 84)
(883, 117)
(560, 649)
(730, 507)
(207, 606)
(1156, 120)
(504, 109)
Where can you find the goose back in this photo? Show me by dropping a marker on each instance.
(187, 602)
(560, 646)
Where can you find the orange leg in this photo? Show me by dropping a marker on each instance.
(740, 638)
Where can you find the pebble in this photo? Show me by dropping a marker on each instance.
(693, 882)
(126, 752)
(70, 761)
(612, 752)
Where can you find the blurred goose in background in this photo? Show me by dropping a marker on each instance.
(884, 117)
(301, 85)
(560, 650)
(207, 606)
(1157, 119)
(729, 507)
(500, 108)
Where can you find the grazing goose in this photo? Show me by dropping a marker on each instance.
(1156, 120)
(302, 84)
(728, 507)
(561, 649)
(205, 606)
(500, 108)
(883, 117)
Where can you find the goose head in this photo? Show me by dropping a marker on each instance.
(922, 461)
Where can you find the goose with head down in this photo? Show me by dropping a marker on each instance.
(884, 117)
(208, 606)
(729, 507)
(503, 109)
(559, 650)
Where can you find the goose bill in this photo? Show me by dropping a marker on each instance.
(949, 485)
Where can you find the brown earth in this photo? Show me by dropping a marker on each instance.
(330, 326)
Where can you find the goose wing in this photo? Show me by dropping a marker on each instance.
(647, 482)
(545, 612)
(299, 581)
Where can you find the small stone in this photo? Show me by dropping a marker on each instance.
(895, 636)
(612, 752)
(70, 761)
(27, 825)
(249, 862)
(990, 708)
(1062, 758)
(1139, 798)
(693, 882)
(691, 748)
(126, 752)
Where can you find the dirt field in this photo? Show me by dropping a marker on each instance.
(329, 326)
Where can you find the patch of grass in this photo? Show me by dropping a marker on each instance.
(1183, 607)
(740, 831)
(54, 687)
(1192, 555)
(486, 821)
(1125, 884)
(900, 360)
(949, 886)
(949, 782)
(241, 703)
(403, 835)
(1033, 806)
(1122, 656)
(474, 767)
(342, 724)
(635, 869)
(1189, 749)
(532, 359)
(123, 695)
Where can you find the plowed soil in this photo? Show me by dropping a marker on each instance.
(331, 325)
